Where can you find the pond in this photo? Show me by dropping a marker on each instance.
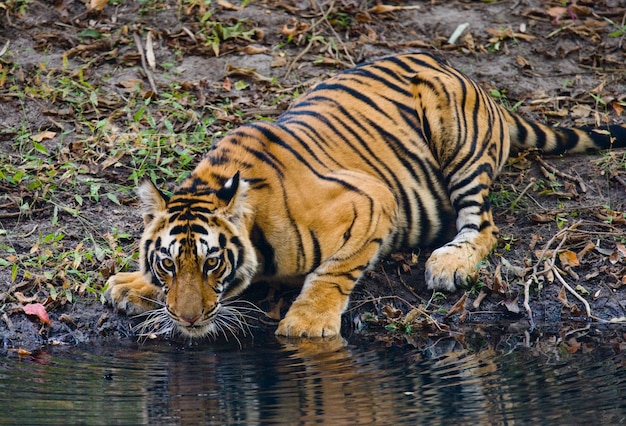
(465, 379)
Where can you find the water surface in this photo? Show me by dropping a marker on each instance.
(359, 382)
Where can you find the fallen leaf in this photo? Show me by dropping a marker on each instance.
(563, 297)
(98, 4)
(23, 299)
(572, 345)
(499, 285)
(150, 58)
(614, 257)
(47, 134)
(228, 5)
(23, 352)
(459, 307)
(295, 30)
(253, 50)
(581, 111)
(568, 258)
(511, 305)
(589, 247)
(556, 12)
(542, 218)
(582, 290)
(391, 313)
(38, 310)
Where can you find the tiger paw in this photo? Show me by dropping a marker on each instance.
(448, 268)
(131, 293)
(303, 320)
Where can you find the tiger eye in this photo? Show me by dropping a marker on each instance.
(167, 264)
(212, 262)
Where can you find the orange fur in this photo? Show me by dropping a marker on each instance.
(390, 154)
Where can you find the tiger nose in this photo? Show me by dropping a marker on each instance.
(191, 321)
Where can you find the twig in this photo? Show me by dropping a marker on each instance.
(343, 45)
(529, 311)
(324, 18)
(144, 63)
(549, 243)
(571, 290)
(620, 180)
(524, 191)
(561, 174)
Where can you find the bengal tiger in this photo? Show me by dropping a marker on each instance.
(392, 153)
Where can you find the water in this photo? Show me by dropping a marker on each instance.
(465, 380)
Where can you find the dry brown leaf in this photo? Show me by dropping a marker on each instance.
(568, 258)
(412, 315)
(295, 30)
(614, 257)
(541, 218)
(23, 299)
(499, 285)
(581, 111)
(98, 4)
(253, 49)
(589, 247)
(391, 313)
(572, 345)
(556, 12)
(47, 134)
(459, 307)
(563, 297)
(549, 274)
(511, 304)
(228, 5)
(227, 85)
(502, 34)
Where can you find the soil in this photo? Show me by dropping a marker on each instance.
(561, 64)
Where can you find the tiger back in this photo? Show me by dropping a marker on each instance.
(399, 152)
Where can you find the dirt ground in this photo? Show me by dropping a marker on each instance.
(68, 81)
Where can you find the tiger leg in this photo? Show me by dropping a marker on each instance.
(132, 293)
(360, 238)
(449, 266)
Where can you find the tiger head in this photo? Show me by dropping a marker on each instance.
(196, 247)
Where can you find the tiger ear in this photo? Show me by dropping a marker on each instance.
(233, 194)
(153, 201)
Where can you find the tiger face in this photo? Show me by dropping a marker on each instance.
(197, 250)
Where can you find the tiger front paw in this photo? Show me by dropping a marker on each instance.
(448, 268)
(303, 320)
(131, 293)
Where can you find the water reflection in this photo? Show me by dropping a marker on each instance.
(293, 382)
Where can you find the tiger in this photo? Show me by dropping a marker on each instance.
(394, 153)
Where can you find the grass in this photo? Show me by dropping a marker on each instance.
(97, 146)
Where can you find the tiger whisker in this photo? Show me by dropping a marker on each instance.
(156, 321)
